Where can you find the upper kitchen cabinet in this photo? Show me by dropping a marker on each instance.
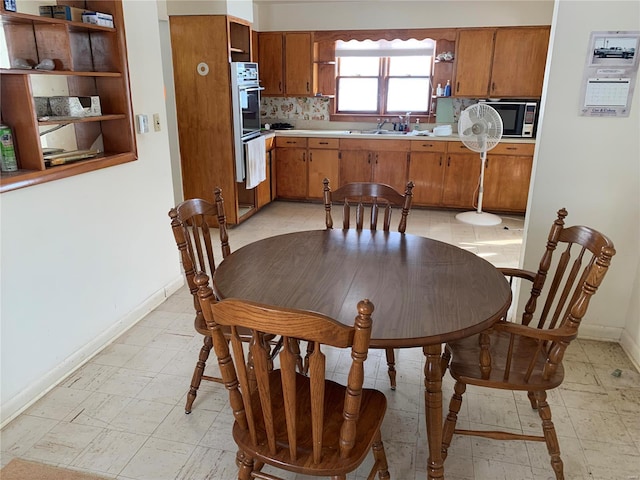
(286, 63)
(298, 64)
(271, 63)
(500, 62)
(88, 61)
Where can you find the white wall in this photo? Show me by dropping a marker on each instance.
(237, 8)
(337, 15)
(85, 257)
(591, 166)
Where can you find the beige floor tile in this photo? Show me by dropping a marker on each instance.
(21, 434)
(109, 452)
(58, 403)
(158, 459)
(63, 443)
(496, 470)
(140, 416)
(98, 410)
(183, 428)
(605, 426)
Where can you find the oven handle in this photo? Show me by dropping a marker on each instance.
(251, 87)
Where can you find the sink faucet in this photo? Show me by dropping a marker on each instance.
(407, 121)
(382, 123)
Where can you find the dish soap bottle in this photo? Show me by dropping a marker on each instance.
(416, 127)
(439, 90)
(447, 89)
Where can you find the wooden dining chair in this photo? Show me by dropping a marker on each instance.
(377, 198)
(527, 355)
(191, 223)
(299, 423)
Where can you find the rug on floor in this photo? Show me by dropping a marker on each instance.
(18, 469)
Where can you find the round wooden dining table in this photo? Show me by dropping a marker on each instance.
(425, 292)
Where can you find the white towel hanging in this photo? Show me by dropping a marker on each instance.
(255, 161)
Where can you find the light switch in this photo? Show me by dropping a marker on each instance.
(156, 122)
(142, 123)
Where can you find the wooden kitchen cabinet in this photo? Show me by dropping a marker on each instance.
(474, 51)
(426, 171)
(271, 63)
(519, 60)
(90, 60)
(265, 191)
(500, 62)
(380, 161)
(298, 64)
(462, 173)
(507, 176)
(323, 163)
(291, 167)
(286, 63)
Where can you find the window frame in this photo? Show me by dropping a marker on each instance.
(445, 39)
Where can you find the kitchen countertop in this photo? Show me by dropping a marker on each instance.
(357, 134)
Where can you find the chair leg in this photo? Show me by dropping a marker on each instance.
(310, 347)
(391, 363)
(246, 468)
(450, 422)
(532, 400)
(549, 433)
(380, 458)
(444, 360)
(198, 372)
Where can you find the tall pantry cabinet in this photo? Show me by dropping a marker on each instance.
(202, 47)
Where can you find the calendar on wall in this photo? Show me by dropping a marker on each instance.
(610, 74)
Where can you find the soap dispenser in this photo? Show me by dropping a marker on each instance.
(447, 89)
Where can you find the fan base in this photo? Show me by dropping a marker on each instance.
(483, 219)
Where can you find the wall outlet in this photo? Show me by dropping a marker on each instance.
(156, 122)
(142, 123)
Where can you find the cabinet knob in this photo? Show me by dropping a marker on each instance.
(310, 157)
(449, 161)
(440, 163)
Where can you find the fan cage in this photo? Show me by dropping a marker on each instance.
(489, 119)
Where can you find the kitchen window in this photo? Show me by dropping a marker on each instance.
(384, 77)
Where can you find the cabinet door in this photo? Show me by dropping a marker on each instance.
(461, 177)
(519, 59)
(270, 59)
(291, 171)
(322, 164)
(391, 168)
(426, 171)
(474, 49)
(263, 190)
(506, 182)
(355, 166)
(298, 63)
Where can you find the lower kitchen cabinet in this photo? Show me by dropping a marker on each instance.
(426, 171)
(291, 167)
(380, 161)
(265, 191)
(462, 171)
(506, 178)
(324, 162)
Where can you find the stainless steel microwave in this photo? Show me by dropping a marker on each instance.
(519, 118)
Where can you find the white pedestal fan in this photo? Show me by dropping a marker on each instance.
(480, 129)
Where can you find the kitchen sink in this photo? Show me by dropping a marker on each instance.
(381, 132)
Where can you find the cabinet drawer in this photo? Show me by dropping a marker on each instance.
(375, 145)
(297, 142)
(457, 147)
(427, 146)
(323, 143)
(513, 149)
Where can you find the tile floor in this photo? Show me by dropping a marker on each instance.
(122, 414)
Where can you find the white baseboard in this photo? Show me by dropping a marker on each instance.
(631, 347)
(32, 393)
(600, 332)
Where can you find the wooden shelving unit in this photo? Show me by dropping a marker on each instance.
(94, 61)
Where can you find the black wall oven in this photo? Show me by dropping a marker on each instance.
(245, 103)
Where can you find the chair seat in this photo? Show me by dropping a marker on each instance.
(372, 411)
(464, 365)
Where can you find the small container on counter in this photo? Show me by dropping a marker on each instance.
(447, 89)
